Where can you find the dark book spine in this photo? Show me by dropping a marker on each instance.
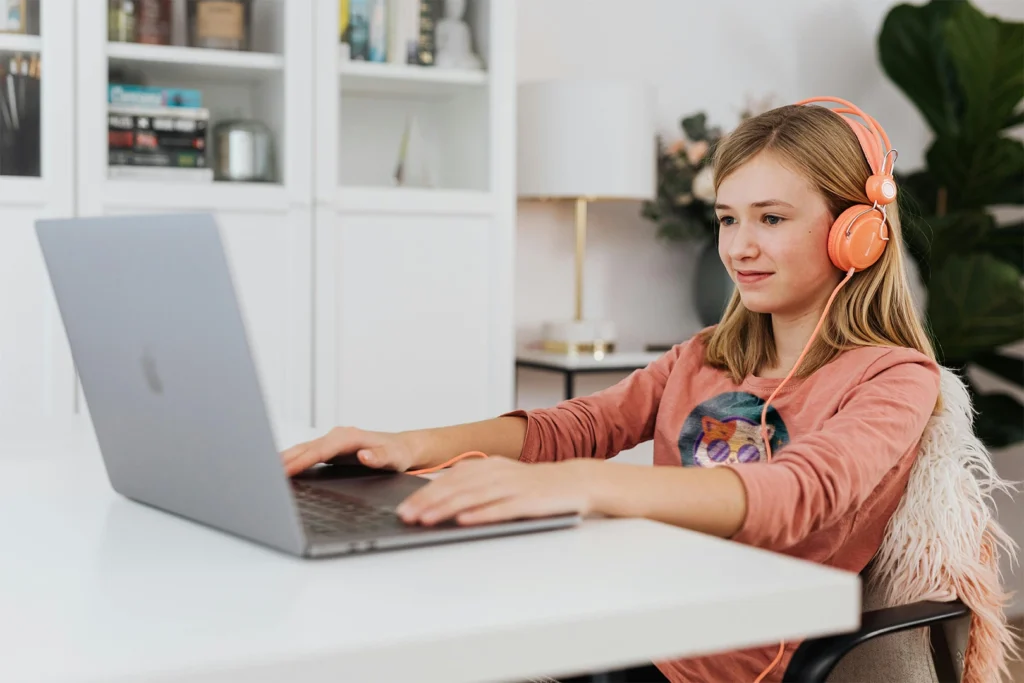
(159, 139)
(428, 24)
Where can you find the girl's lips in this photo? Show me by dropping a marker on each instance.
(748, 277)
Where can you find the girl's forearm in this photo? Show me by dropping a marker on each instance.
(711, 501)
(499, 436)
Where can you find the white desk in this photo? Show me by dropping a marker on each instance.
(97, 588)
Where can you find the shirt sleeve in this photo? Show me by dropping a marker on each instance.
(820, 477)
(603, 424)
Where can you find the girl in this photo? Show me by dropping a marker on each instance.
(791, 425)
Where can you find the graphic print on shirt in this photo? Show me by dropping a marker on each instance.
(727, 429)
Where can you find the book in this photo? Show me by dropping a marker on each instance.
(150, 96)
(403, 31)
(359, 29)
(426, 46)
(168, 136)
(378, 31)
(343, 21)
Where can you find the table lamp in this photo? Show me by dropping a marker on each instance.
(583, 141)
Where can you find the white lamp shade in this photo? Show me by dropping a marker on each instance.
(586, 138)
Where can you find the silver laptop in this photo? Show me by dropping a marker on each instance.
(150, 310)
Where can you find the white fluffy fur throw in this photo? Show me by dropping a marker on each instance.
(943, 541)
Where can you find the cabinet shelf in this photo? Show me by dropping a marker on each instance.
(200, 63)
(194, 196)
(408, 200)
(371, 78)
(14, 42)
(22, 191)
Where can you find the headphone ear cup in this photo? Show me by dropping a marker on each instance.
(857, 238)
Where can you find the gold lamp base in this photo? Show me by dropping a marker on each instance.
(579, 336)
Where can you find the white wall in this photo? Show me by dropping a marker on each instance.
(699, 56)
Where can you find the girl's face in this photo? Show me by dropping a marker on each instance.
(773, 238)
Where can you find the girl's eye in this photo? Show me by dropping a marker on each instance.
(773, 220)
(726, 220)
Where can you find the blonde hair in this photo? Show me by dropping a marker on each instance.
(875, 308)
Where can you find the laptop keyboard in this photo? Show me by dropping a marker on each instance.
(327, 512)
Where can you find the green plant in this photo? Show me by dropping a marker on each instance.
(964, 71)
(684, 205)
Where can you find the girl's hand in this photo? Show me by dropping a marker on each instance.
(374, 449)
(498, 489)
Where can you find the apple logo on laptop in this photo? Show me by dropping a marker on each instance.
(150, 373)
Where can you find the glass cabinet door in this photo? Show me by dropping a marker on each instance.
(20, 74)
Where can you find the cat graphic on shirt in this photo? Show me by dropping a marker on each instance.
(732, 441)
(726, 429)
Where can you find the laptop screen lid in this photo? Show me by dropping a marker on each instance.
(158, 338)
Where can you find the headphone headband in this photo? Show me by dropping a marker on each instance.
(873, 140)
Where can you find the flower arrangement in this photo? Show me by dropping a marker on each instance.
(684, 207)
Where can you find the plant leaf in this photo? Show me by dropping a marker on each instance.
(933, 239)
(695, 127)
(912, 53)
(1000, 419)
(988, 56)
(975, 303)
(918, 193)
(1009, 368)
(1006, 243)
(957, 233)
(978, 173)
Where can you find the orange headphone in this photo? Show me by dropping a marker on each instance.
(858, 235)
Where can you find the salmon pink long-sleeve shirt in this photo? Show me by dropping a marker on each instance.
(843, 441)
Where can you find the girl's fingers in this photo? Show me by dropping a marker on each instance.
(513, 507)
(453, 505)
(303, 461)
(290, 454)
(462, 477)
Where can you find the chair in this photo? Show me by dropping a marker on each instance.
(951, 483)
(892, 644)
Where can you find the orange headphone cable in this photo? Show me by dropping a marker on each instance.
(449, 463)
(764, 427)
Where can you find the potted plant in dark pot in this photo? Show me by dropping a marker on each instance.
(964, 71)
(684, 206)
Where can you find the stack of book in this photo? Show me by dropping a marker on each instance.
(157, 134)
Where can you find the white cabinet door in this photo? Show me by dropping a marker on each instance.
(271, 259)
(37, 383)
(413, 326)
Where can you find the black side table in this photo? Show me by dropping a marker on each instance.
(569, 365)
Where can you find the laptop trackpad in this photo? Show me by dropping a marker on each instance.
(372, 485)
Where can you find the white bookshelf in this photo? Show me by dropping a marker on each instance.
(167, 62)
(437, 318)
(350, 285)
(22, 191)
(13, 42)
(414, 201)
(367, 78)
(124, 194)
